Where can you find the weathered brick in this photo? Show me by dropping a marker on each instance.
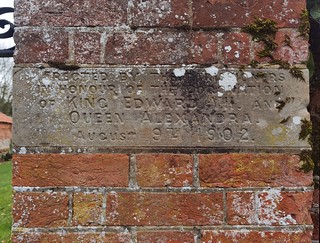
(36, 46)
(296, 51)
(158, 170)
(155, 47)
(71, 13)
(284, 208)
(291, 48)
(259, 47)
(71, 170)
(40, 209)
(245, 236)
(205, 47)
(241, 208)
(219, 13)
(284, 13)
(87, 47)
(164, 13)
(236, 48)
(164, 209)
(165, 237)
(254, 170)
(238, 13)
(87, 209)
(122, 237)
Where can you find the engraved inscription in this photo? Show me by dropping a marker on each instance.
(159, 107)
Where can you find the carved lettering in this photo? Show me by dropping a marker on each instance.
(153, 107)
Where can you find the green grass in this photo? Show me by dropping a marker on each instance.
(5, 201)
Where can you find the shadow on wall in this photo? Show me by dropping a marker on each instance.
(314, 106)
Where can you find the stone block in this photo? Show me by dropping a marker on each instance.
(159, 107)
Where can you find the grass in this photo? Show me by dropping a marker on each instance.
(5, 201)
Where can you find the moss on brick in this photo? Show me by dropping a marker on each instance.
(263, 30)
(306, 158)
(304, 27)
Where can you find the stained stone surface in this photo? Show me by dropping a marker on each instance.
(159, 107)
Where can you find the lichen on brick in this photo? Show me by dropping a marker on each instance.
(269, 213)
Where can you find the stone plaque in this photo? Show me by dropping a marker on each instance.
(159, 107)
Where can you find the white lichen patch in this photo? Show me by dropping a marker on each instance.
(179, 72)
(227, 48)
(296, 120)
(244, 209)
(237, 54)
(262, 123)
(277, 131)
(267, 203)
(186, 183)
(207, 212)
(22, 150)
(247, 75)
(46, 82)
(170, 39)
(154, 11)
(213, 71)
(235, 235)
(227, 81)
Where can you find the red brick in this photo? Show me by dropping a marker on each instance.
(165, 237)
(253, 170)
(284, 208)
(236, 48)
(156, 47)
(36, 46)
(37, 209)
(259, 47)
(294, 52)
(71, 237)
(165, 13)
(219, 13)
(205, 47)
(238, 13)
(87, 209)
(298, 50)
(71, 170)
(241, 208)
(159, 170)
(164, 209)
(245, 236)
(284, 13)
(87, 47)
(71, 13)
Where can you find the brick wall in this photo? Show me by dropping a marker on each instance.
(62, 194)
(5, 136)
(224, 197)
